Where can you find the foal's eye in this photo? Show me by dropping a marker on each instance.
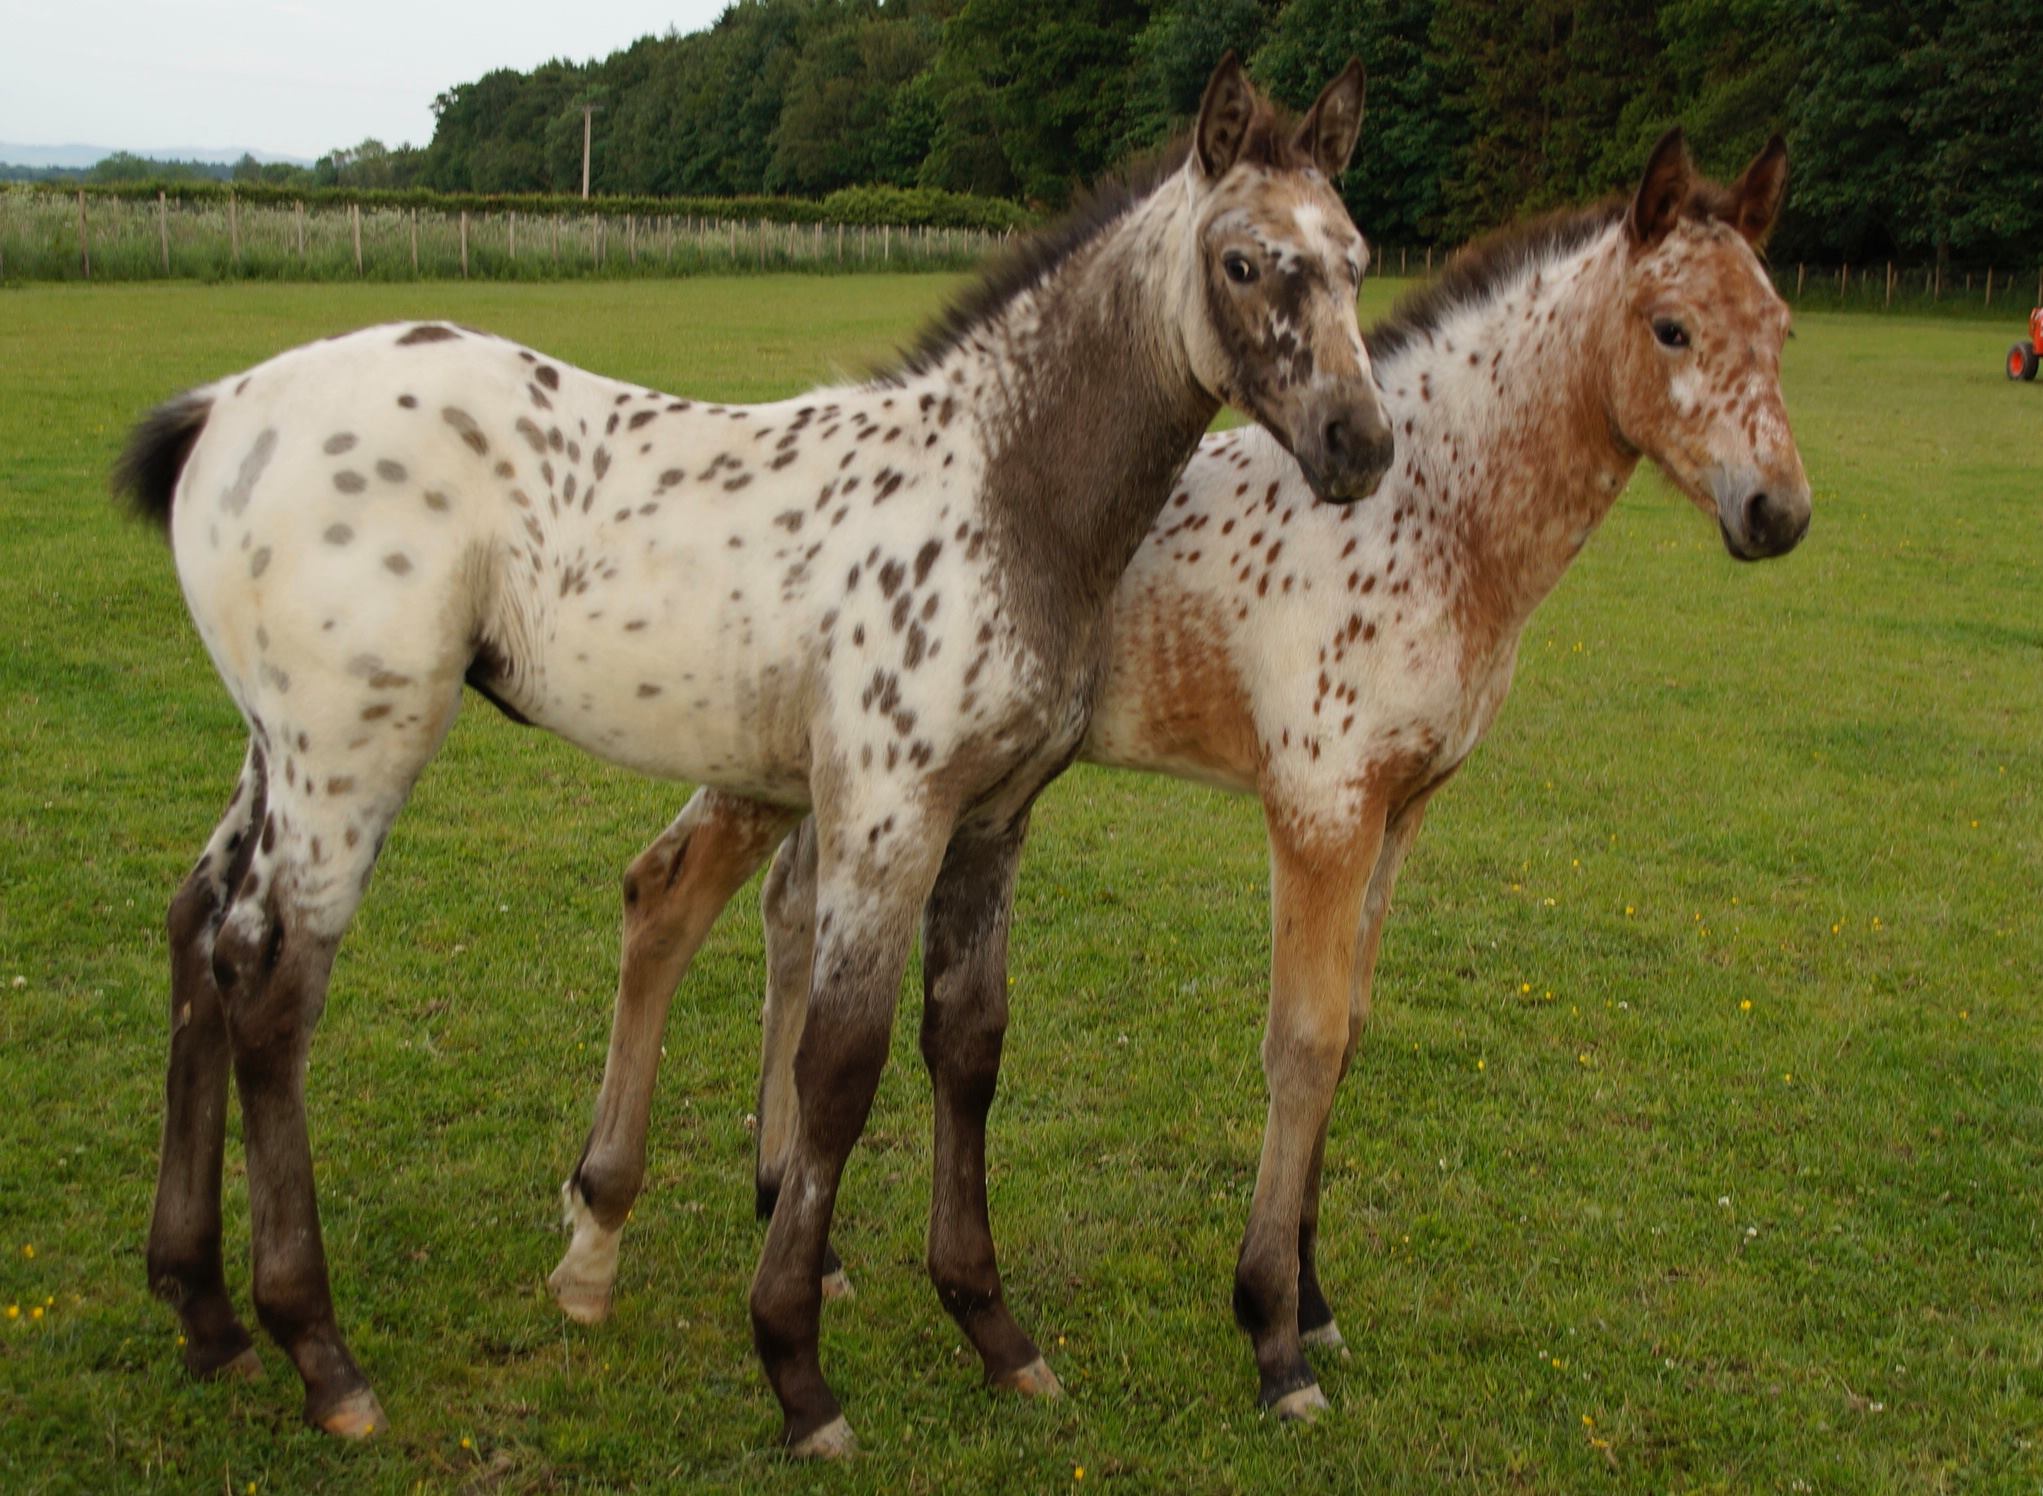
(1239, 269)
(1670, 333)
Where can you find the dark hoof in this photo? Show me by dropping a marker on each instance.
(233, 1360)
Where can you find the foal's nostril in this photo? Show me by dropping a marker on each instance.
(1756, 517)
(1335, 438)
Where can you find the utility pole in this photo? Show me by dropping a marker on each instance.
(588, 110)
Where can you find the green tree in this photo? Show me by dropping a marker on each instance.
(1410, 135)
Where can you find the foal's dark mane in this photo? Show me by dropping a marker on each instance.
(1034, 258)
(1482, 265)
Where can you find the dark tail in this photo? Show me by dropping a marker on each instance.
(146, 474)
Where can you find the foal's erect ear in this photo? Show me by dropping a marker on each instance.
(1756, 196)
(1663, 191)
(1334, 121)
(1225, 113)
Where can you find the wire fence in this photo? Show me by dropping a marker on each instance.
(1883, 286)
(50, 237)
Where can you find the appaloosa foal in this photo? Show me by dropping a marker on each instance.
(1341, 663)
(885, 602)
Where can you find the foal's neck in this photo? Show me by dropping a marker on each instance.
(1529, 463)
(1090, 408)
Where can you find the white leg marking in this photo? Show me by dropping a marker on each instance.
(582, 1284)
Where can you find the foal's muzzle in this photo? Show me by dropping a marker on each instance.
(1764, 523)
(1345, 449)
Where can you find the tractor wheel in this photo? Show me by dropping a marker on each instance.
(2021, 362)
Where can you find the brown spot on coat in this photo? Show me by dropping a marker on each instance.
(465, 427)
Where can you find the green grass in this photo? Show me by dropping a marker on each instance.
(1631, 1235)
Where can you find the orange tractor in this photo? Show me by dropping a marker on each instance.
(2024, 357)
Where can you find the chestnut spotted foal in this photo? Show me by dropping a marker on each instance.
(885, 603)
(1341, 663)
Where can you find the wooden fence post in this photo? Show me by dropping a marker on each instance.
(234, 227)
(514, 236)
(163, 229)
(631, 236)
(414, 243)
(888, 254)
(1800, 270)
(355, 217)
(84, 240)
(1989, 288)
(299, 215)
(1890, 285)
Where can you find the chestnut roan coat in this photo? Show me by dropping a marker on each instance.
(884, 603)
(1340, 663)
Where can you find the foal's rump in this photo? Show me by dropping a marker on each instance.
(361, 524)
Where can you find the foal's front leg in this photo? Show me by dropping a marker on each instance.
(964, 1020)
(1316, 1325)
(673, 893)
(1318, 888)
(873, 875)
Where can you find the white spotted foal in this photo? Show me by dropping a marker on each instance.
(1340, 663)
(886, 603)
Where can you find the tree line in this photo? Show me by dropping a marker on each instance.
(1913, 129)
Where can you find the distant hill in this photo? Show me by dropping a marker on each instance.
(78, 157)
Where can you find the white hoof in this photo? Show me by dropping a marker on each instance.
(1033, 1380)
(581, 1301)
(582, 1284)
(1302, 1405)
(359, 1417)
(837, 1286)
(833, 1441)
(1326, 1337)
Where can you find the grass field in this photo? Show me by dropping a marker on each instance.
(1697, 1144)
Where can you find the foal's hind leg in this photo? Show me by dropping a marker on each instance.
(787, 905)
(673, 892)
(964, 1021)
(1316, 1324)
(323, 824)
(184, 1231)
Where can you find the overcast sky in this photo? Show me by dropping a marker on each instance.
(291, 77)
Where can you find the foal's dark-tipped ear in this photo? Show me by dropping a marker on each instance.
(1331, 126)
(1225, 113)
(1663, 191)
(1756, 196)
